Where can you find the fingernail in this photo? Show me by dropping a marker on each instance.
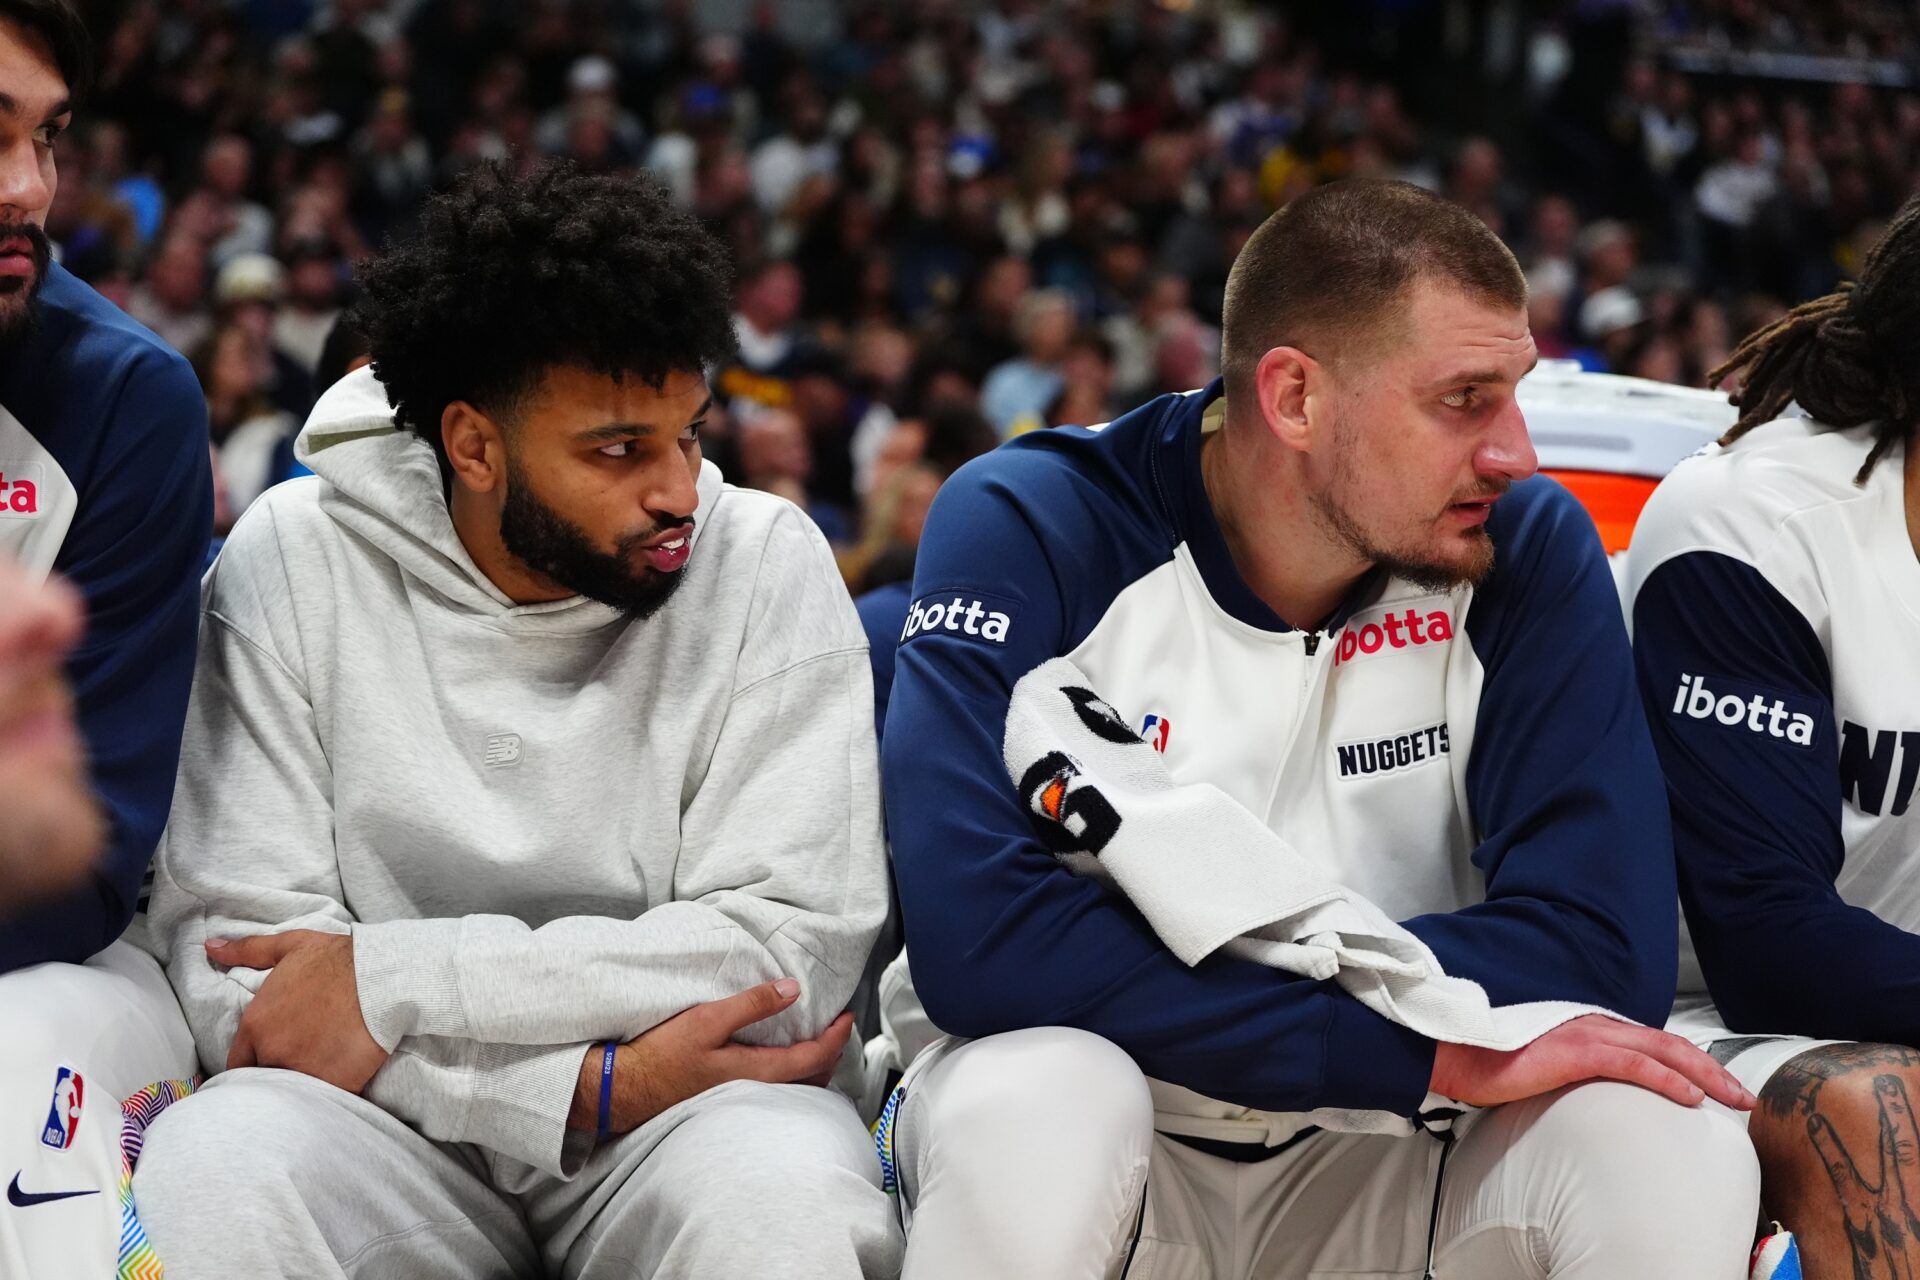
(787, 988)
(217, 943)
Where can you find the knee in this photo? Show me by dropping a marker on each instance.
(1647, 1159)
(239, 1120)
(792, 1146)
(1827, 1112)
(1043, 1085)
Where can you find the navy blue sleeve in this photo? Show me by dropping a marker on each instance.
(882, 612)
(1563, 785)
(1756, 809)
(135, 552)
(1001, 936)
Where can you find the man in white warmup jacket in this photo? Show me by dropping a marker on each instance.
(526, 846)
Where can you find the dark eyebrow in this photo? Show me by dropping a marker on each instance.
(613, 431)
(11, 106)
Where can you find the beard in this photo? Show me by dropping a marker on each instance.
(556, 548)
(18, 314)
(1425, 567)
(1428, 570)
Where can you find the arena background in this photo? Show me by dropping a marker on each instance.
(957, 221)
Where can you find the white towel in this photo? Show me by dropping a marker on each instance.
(1208, 875)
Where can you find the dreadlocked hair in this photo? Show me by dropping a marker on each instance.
(1850, 357)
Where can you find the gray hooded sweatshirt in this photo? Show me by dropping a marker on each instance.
(544, 825)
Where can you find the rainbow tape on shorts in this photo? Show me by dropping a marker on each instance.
(883, 1140)
(137, 1259)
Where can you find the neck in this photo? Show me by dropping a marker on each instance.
(476, 521)
(1279, 542)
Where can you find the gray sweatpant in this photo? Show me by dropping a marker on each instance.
(267, 1173)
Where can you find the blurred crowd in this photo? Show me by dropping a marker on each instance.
(955, 221)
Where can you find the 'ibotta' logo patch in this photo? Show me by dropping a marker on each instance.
(957, 614)
(1745, 707)
(1405, 628)
(21, 484)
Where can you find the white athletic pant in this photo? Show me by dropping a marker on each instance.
(267, 1174)
(113, 1024)
(1026, 1155)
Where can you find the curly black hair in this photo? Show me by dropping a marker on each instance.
(510, 276)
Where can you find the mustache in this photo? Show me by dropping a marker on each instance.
(1491, 489)
(34, 236)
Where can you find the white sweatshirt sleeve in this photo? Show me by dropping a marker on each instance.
(781, 869)
(249, 849)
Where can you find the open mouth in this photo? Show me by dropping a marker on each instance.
(668, 553)
(1473, 511)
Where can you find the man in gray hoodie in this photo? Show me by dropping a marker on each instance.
(526, 846)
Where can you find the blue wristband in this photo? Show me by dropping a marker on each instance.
(606, 1091)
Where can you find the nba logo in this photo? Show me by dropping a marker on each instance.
(63, 1118)
(1156, 730)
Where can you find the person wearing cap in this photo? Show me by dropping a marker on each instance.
(593, 93)
(104, 482)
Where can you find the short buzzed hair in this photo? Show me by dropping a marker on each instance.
(1326, 270)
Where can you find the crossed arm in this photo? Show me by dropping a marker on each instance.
(249, 861)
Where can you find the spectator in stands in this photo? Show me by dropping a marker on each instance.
(219, 214)
(768, 306)
(235, 368)
(515, 591)
(103, 481)
(172, 301)
(1017, 392)
(311, 302)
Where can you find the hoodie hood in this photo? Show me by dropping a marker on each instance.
(383, 484)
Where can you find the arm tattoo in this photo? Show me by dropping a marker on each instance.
(1877, 1203)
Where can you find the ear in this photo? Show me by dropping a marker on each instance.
(1286, 383)
(476, 450)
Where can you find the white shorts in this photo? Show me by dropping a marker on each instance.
(79, 1041)
(1034, 1153)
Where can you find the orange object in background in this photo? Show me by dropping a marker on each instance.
(1614, 501)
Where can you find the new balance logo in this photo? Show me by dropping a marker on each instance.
(958, 616)
(1755, 713)
(503, 749)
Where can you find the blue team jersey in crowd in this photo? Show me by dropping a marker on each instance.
(1776, 621)
(105, 480)
(1475, 761)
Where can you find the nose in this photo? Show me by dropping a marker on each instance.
(1507, 451)
(673, 495)
(26, 188)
